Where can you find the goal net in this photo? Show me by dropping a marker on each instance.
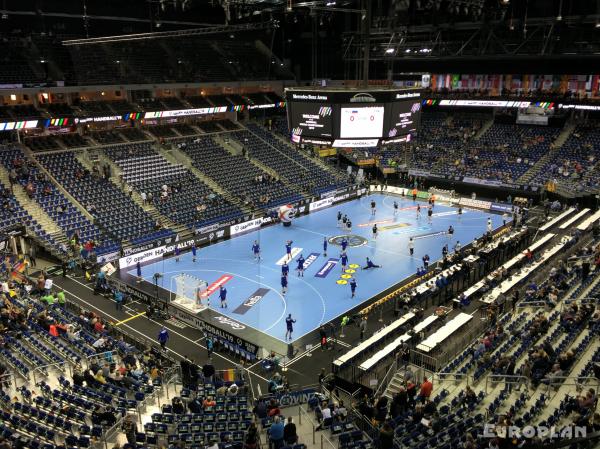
(189, 289)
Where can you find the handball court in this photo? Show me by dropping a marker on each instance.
(254, 291)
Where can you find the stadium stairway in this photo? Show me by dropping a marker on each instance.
(176, 156)
(394, 386)
(58, 185)
(87, 159)
(235, 148)
(484, 128)
(31, 206)
(283, 139)
(541, 163)
(38, 214)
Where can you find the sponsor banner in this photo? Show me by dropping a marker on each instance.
(144, 256)
(245, 226)
(500, 207)
(445, 199)
(222, 335)
(315, 205)
(295, 252)
(106, 118)
(422, 173)
(216, 285)
(396, 190)
(262, 106)
(343, 197)
(135, 249)
(583, 107)
(296, 397)
(108, 257)
(310, 259)
(431, 234)
(445, 214)
(486, 103)
(251, 301)
(326, 269)
(212, 232)
(379, 222)
(395, 226)
(333, 193)
(184, 112)
(476, 204)
(130, 291)
(483, 182)
(355, 143)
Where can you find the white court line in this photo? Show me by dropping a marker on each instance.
(155, 322)
(368, 246)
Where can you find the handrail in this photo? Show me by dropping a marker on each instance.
(393, 368)
(44, 367)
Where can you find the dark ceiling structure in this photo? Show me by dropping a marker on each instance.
(351, 39)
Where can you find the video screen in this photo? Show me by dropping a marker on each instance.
(361, 121)
(311, 120)
(404, 118)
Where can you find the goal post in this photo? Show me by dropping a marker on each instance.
(189, 289)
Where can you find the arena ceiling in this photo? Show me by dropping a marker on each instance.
(395, 35)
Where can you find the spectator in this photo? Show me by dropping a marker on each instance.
(289, 432)
(426, 389)
(386, 436)
(130, 429)
(251, 440)
(275, 433)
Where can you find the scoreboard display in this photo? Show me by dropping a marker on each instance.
(404, 118)
(352, 118)
(361, 121)
(312, 119)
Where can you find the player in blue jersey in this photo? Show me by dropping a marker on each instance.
(339, 218)
(301, 265)
(370, 264)
(284, 284)
(353, 287)
(325, 246)
(288, 249)
(289, 324)
(256, 250)
(395, 208)
(418, 211)
(344, 260)
(194, 252)
(223, 296)
(373, 207)
(344, 243)
(285, 269)
(176, 253)
(375, 230)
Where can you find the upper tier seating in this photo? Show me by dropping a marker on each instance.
(133, 134)
(42, 143)
(287, 162)
(54, 203)
(114, 210)
(237, 175)
(576, 163)
(149, 172)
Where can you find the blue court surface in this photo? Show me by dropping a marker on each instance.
(322, 294)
